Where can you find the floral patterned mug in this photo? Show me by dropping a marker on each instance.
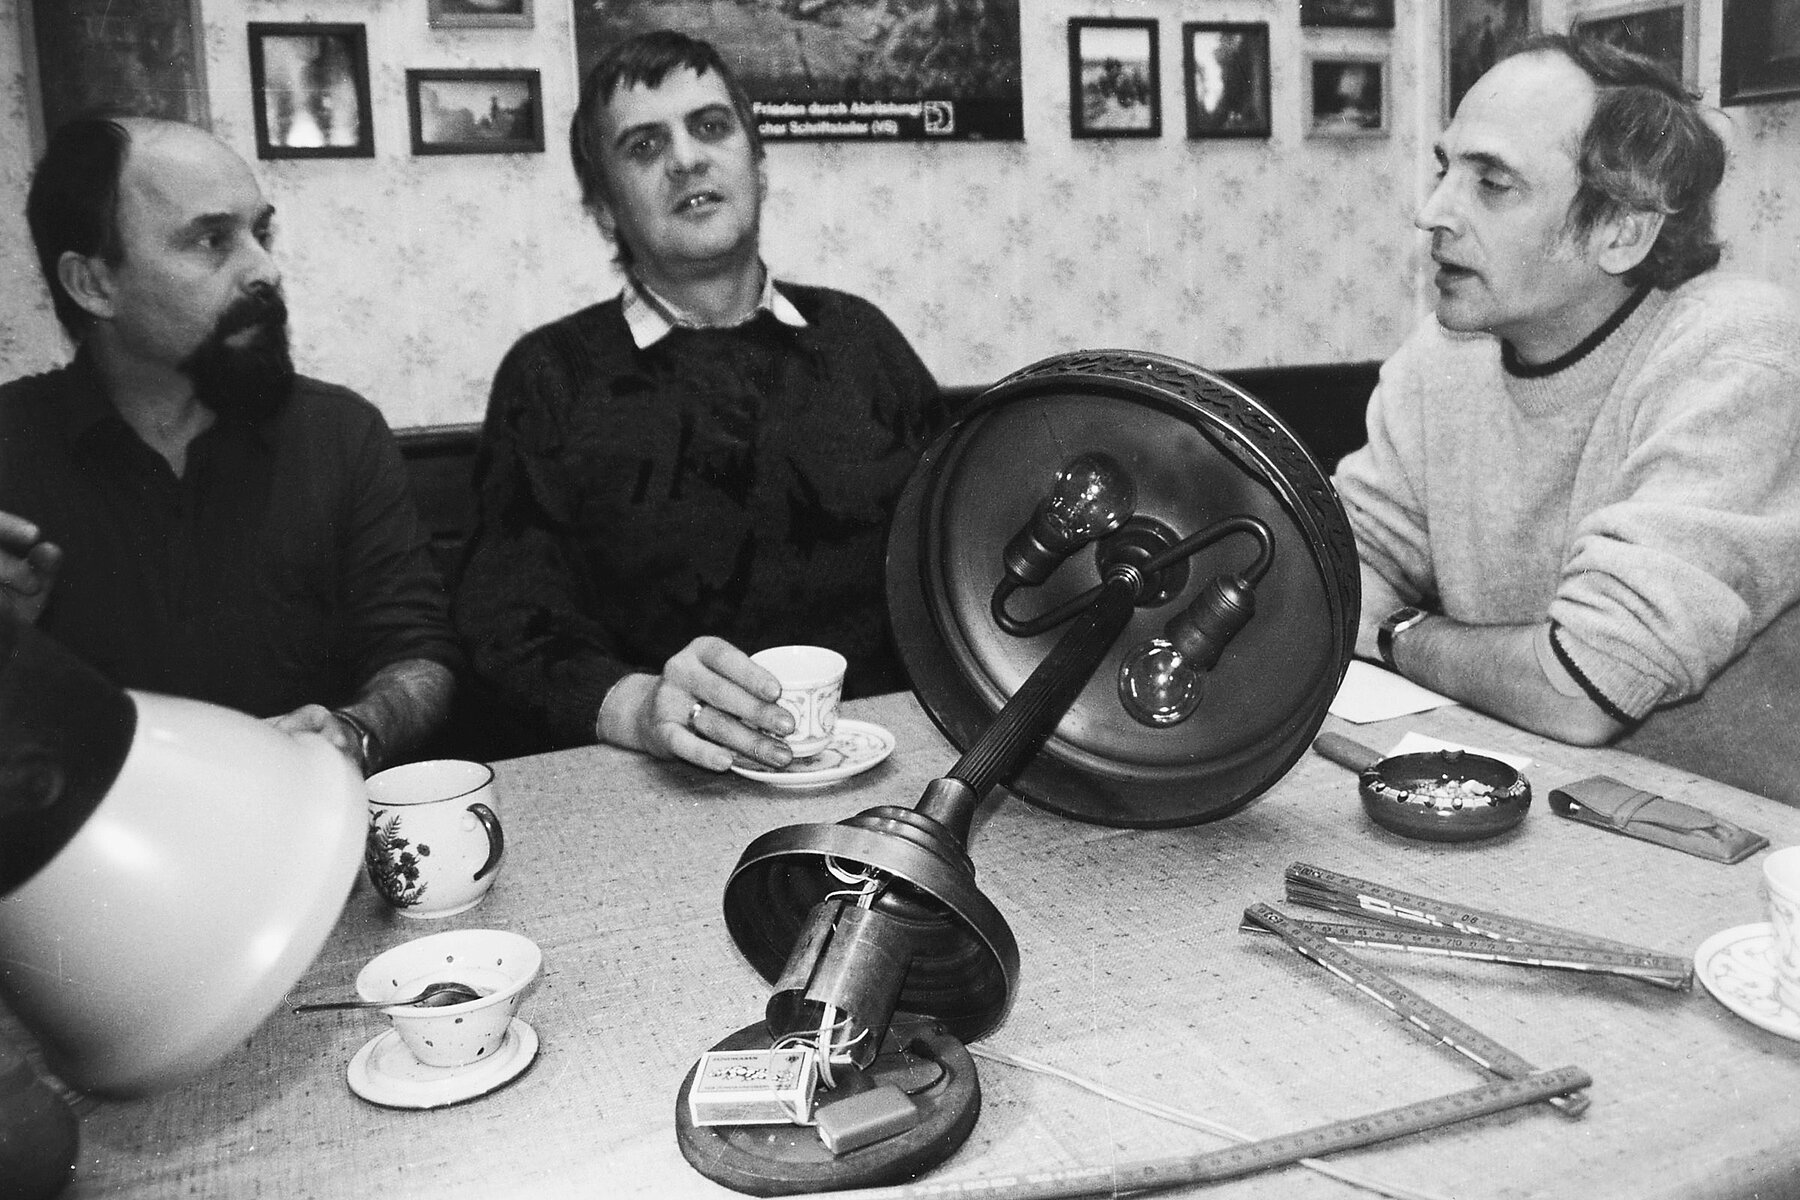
(1781, 877)
(435, 840)
(812, 680)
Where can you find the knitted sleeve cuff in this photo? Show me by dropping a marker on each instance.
(1609, 687)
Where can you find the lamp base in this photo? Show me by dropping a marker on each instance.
(787, 1160)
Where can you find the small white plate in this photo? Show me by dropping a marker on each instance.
(1734, 965)
(855, 747)
(385, 1072)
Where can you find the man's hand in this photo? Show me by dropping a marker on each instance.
(710, 704)
(28, 568)
(316, 718)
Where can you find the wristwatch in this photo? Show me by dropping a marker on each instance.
(1395, 624)
(366, 741)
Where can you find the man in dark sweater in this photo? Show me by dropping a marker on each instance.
(699, 468)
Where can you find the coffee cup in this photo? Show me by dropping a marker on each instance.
(1781, 880)
(435, 841)
(812, 680)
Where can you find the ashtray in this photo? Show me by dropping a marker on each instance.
(1436, 796)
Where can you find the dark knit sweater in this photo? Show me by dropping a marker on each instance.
(735, 482)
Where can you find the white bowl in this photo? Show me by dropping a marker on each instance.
(498, 964)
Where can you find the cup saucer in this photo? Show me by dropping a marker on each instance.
(855, 747)
(1734, 965)
(385, 1072)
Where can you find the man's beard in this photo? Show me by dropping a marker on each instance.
(248, 381)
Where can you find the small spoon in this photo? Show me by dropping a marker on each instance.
(435, 995)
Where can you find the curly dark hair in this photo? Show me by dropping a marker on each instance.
(1647, 148)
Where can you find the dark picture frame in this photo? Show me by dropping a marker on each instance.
(1666, 30)
(1347, 95)
(1225, 68)
(1115, 78)
(1474, 33)
(1759, 54)
(868, 71)
(478, 14)
(1347, 14)
(310, 86)
(147, 58)
(497, 111)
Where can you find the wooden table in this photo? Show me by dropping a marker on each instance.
(1134, 973)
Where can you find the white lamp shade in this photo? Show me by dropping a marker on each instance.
(196, 893)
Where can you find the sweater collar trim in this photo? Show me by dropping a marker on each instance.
(1509, 358)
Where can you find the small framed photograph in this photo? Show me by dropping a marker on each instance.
(1226, 65)
(1666, 30)
(310, 87)
(478, 14)
(1115, 82)
(1474, 32)
(1347, 14)
(475, 112)
(1346, 95)
(1759, 59)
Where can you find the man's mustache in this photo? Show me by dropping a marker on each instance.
(263, 308)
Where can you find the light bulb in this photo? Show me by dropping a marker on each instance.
(1091, 497)
(1158, 685)
(1161, 681)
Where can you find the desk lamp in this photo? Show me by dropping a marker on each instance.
(168, 869)
(1126, 592)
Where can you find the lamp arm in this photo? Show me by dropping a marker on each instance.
(1026, 719)
(1217, 531)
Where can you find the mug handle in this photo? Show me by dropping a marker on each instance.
(496, 837)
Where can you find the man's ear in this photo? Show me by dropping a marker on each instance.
(603, 217)
(88, 281)
(1626, 239)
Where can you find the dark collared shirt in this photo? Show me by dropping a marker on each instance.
(285, 565)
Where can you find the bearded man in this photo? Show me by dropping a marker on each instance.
(177, 505)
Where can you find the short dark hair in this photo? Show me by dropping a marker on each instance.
(1647, 148)
(643, 61)
(73, 203)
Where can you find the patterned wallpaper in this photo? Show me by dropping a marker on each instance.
(409, 277)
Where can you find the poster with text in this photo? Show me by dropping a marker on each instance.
(846, 70)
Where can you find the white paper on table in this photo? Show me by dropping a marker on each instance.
(1369, 693)
(1420, 743)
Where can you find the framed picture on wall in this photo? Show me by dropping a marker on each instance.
(1474, 32)
(310, 87)
(1115, 83)
(1226, 67)
(1346, 95)
(475, 112)
(1666, 30)
(1355, 14)
(478, 14)
(145, 58)
(1760, 56)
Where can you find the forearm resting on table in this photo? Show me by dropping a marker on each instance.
(1505, 671)
(404, 703)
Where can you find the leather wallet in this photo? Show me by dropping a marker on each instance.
(1604, 802)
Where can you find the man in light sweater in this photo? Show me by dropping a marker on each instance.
(1579, 508)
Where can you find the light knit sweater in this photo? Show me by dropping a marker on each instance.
(1644, 498)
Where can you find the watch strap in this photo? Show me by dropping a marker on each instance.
(368, 745)
(1396, 623)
